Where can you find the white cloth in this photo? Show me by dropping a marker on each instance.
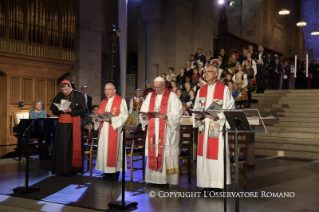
(171, 139)
(131, 103)
(102, 151)
(245, 80)
(253, 66)
(169, 78)
(86, 97)
(210, 173)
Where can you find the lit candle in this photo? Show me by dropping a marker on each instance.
(295, 68)
(306, 65)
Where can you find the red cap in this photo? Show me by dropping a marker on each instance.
(66, 82)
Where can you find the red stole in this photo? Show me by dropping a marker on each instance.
(212, 143)
(156, 163)
(76, 134)
(113, 134)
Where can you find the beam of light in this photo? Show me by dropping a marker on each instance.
(72, 193)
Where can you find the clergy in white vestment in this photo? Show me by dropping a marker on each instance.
(210, 166)
(162, 141)
(109, 152)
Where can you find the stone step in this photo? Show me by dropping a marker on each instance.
(299, 147)
(300, 119)
(294, 102)
(287, 153)
(300, 135)
(291, 91)
(298, 114)
(280, 128)
(305, 141)
(297, 124)
(294, 106)
(288, 97)
(289, 110)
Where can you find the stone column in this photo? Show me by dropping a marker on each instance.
(123, 45)
(87, 68)
(152, 17)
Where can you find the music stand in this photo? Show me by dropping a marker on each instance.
(123, 205)
(26, 189)
(238, 122)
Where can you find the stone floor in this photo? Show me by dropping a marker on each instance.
(84, 193)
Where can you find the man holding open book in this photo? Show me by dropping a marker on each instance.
(112, 115)
(162, 112)
(68, 105)
(210, 169)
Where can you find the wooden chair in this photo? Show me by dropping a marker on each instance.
(186, 144)
(242, 155)
(135, 139)
(92, 140)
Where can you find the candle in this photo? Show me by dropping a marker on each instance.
(295, 68)
(306, 65)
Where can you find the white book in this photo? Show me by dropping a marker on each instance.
(65, 104)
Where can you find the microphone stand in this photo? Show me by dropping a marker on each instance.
(26, 189)
(224, 135)
(123, 205)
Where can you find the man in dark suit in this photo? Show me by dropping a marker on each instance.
(199, 56)
(276, 73)
(253, 54)
(84, 89)
(262, 62)
(224, 56)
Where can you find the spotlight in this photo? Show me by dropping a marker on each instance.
(231, 3)
(221, 1)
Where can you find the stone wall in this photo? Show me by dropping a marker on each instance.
(310, 14)
(260, 23)
(169, 32)
(87, 68)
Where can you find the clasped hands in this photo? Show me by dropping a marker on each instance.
(214, 117)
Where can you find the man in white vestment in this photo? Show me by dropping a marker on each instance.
(210, 166)
(162, 141)
(109, 152)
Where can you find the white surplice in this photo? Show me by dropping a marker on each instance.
(102, 150)
(171, 139)
(210, 173)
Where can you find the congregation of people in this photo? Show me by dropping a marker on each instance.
(228, 79)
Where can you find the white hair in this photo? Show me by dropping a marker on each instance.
(159, 79)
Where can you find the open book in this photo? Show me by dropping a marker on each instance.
(102, 116)
(151, 114)
(211, 110)
(65, 104)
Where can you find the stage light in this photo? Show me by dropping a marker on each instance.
(284, 12)
(231, 3)
(315, 32)
(221, 1)
(301, 23)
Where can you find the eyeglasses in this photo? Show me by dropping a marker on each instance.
(158, 87)
(209, 71)
(108, 89)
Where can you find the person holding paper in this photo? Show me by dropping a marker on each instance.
(109, 153)
(162, 141)
(87, 120)
(67, 150)
(210, 169)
